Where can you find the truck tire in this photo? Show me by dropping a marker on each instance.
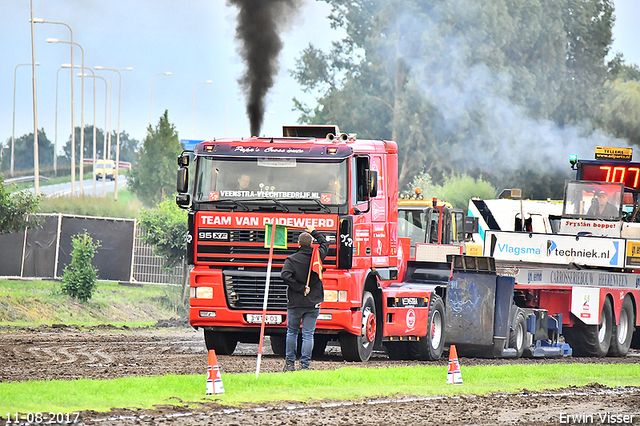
(221, 342)
(430, 347)
(622, 333)
(592, 340)
(359, 348)
(518, 333)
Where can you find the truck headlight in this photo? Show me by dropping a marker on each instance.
(201, 292)
(335, 295)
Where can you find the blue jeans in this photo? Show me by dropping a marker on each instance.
(308, 317)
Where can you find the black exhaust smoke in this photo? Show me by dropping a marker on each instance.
(258, 27)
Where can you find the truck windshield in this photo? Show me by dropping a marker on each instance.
(270, 178)
(592, 200)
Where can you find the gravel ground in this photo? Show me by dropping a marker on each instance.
(62, 352)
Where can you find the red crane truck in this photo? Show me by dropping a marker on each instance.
(586, 271)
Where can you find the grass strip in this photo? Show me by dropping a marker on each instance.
(36, 302)
(348, 383)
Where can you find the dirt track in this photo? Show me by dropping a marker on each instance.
(107, 352)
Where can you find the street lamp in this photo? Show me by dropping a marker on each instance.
(94, 76)
(55, 40)
(111, 98)
(13, 131)
(151, 103)
(73, 130)
(55, 133)
(115, 190)
(36, 158)
(193, 101)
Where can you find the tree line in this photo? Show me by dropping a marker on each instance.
(498, 89)
(23, 150)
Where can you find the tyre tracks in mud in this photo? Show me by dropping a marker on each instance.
(593, 404)
(49, 353)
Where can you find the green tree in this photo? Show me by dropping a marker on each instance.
(456, 189)
(80, 277)
(16, 209)
(166, 230)
(618, 69)
(128, 146)
(88, 143)
(588, 26)
(466, 86)
(621, 110)
(23, 153)
(154, 175)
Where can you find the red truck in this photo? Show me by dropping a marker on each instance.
(381, 291)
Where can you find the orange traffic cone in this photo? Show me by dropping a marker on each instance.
(454, 376)
(214, 380)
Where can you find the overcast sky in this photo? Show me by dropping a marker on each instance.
(192, 39)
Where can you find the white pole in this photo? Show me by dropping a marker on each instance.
(36, 160)
(73, 130)
(13, 131)
(266, 296)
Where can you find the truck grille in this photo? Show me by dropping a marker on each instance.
(245, 290)
(246, 247)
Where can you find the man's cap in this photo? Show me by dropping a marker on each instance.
(602, 193)
(305, 239)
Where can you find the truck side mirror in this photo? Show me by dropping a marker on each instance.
(372, 183)
(183, 200)
(182, 185)
(183, 160)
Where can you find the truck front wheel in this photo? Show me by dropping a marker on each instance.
(359, 348)
(221, 342)
(430, 347)
(623, 332)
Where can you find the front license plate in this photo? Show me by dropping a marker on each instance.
(269, 319)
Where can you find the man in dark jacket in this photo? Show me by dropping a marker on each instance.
(304, 295)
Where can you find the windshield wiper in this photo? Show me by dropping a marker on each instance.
(286, 209)
(234, 202)
(242, 203)
(325, 208)
(278, 203)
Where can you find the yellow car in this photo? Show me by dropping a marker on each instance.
(107, 169)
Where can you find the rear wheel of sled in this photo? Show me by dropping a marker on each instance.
(430, 347)
(221, 342)
(359, 348)
(518, 334)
